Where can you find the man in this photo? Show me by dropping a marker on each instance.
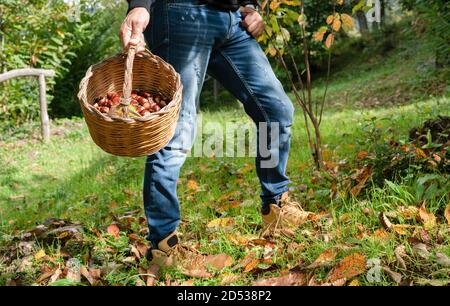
(217, 37)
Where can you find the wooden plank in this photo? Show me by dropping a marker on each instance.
(26, 72)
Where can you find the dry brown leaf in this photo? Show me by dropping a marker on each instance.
(56, 275)
(135, 251)
(189, 283)
(219, 261)
(402, 229)
(443, 259)
(199, 272)
(400, 253)
(381, 234)
(354, 283)
(152, 275)
(408, 212)
(349, 267)
(387, 224)
(447, 214)
(337, 283)
(113, 230)
(192, 185)
(84, 271)
(324, 259)
(362, 179)
(95, 273)
(433, 282)
(396, 277)
(221, 223)
(290, 279)
(251, 265)
(46, 275)
(426, 218)
(142, 248)
(421, 250)
(229, 279)
(40, 254)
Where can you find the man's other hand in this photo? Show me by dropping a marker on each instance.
(132, 29)
(252, 21)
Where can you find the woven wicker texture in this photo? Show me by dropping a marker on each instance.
(132, 137)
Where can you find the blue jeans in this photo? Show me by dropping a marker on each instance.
(197, 39)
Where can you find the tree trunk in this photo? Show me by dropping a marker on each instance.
(362, 22)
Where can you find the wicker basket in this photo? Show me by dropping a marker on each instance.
(124, 136)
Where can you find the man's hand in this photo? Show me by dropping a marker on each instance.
(132, 29)
(252, 21)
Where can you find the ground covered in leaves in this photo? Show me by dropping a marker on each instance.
(84, 224)
(379, 211)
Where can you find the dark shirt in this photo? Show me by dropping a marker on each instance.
(223, 4)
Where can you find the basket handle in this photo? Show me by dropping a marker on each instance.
(127, 84)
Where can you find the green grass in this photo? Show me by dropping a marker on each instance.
(71, 178)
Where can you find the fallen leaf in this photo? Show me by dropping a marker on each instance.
(142, 248)
(84, 271)
(197, 273)
(337, 283)
(45, 275)
(387, 224)
(229, 279)
(396, 277)
(55, 276)
(349, 267)
(354, 283)
(402, 229)
(408, 212)
(362, 155)
(189, 282)
(40, 254)
(324, 259)
(113, 230)
(95, 273)
(152, 274)
(135, 251)
(426, 218)
(192, 185)
(290, 279)
(381, 234)
(447, 214)
(421, 250)
(443, 259)
(221, 223)
(399, 254)
(362, 179)
(219, 261)
(251, 265)
(433, 282)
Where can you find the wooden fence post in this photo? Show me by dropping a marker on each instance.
(41, 74)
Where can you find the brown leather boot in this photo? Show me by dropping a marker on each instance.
(283, 219)
(171, 252)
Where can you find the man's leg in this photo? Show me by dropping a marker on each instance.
(242, 67)
(189, 58)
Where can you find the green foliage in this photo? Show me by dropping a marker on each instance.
(52, 35)
(432, 26)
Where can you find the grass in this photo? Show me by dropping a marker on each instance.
(70, 178)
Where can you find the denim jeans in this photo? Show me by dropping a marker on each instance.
(197, 39)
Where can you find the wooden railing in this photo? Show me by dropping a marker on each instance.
(41, 74)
